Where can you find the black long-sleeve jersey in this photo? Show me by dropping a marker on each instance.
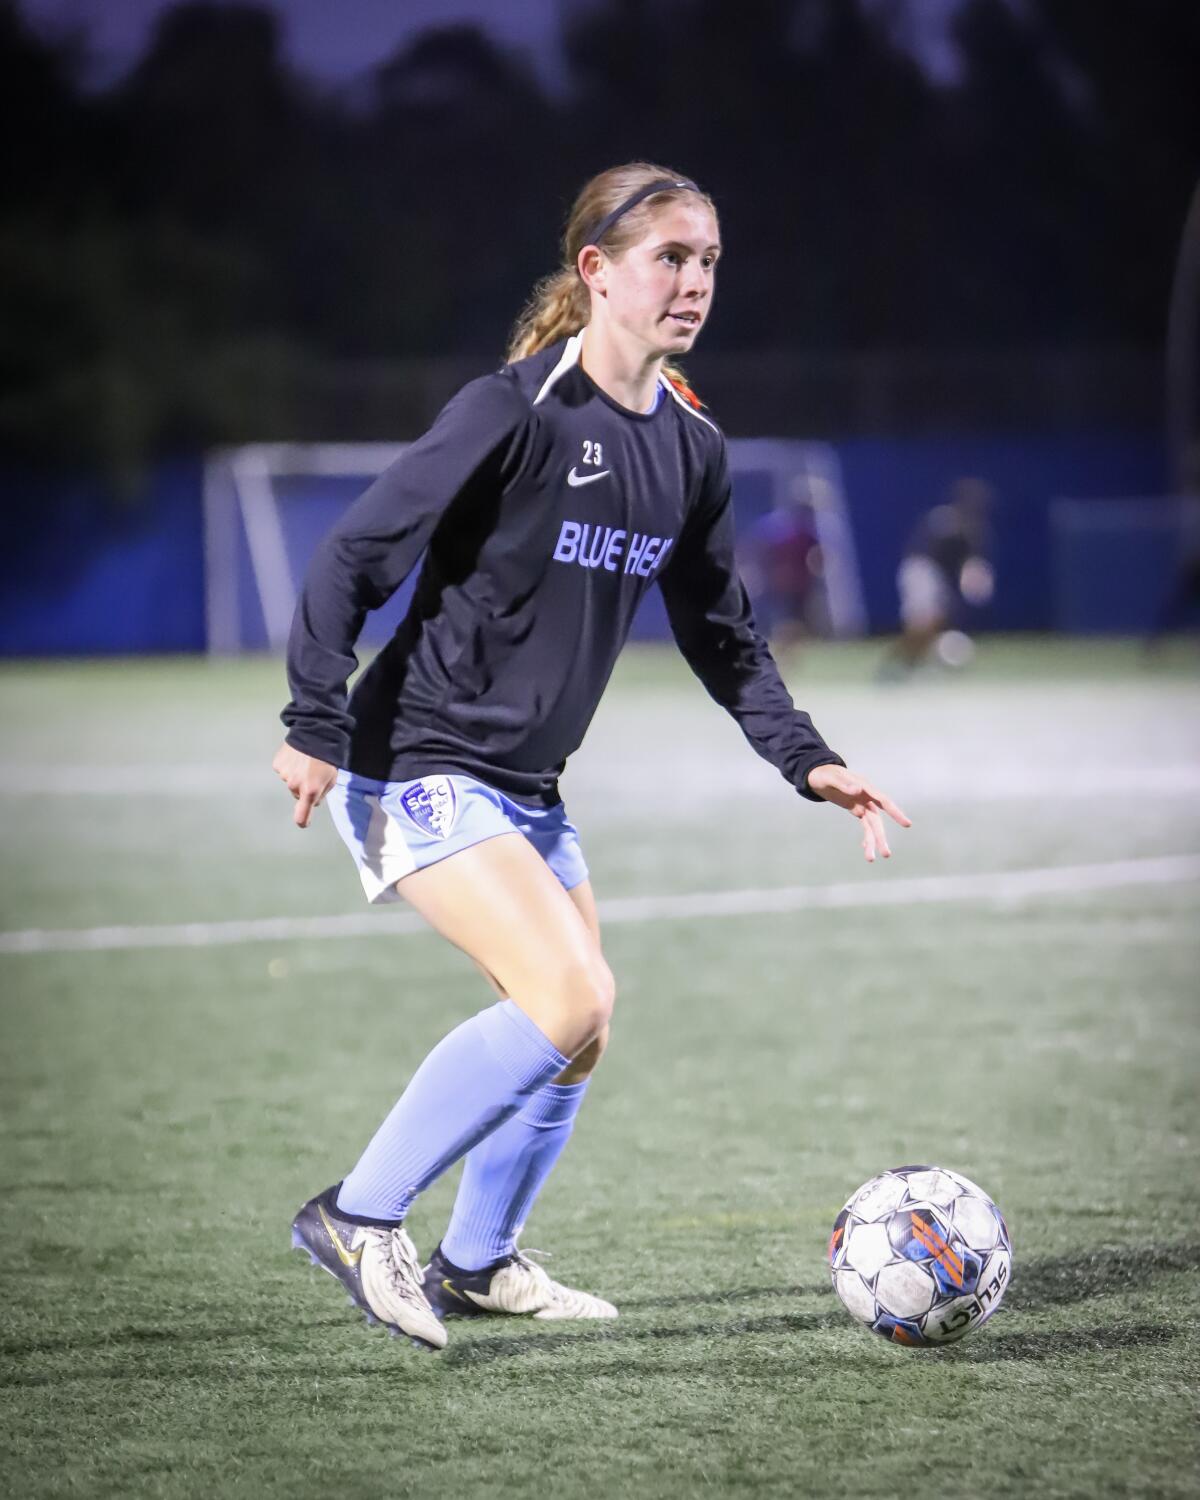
(545, 511)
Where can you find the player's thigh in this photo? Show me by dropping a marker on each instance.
(585, 1061)
(501, 904)
(584, 901)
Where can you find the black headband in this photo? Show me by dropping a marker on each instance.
(598, 231)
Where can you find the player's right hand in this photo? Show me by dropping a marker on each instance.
(306, 777)
(846, 789)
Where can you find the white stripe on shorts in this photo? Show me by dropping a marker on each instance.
(385, 857)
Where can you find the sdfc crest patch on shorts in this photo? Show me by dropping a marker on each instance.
(432, 804)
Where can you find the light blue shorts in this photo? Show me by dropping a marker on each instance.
(395, 827)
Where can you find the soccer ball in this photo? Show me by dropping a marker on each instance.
(920, 1255)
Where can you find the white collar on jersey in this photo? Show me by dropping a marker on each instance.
(570, 357)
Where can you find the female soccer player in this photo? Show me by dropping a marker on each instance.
(547, 498)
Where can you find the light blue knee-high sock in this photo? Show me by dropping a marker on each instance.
(472, 1081)
(504, 1174)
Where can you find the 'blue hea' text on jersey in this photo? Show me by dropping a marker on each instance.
(547, 511)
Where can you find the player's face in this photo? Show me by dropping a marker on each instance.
(661, 288)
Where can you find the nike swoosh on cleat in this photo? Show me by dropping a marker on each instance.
(453, 1290)
(347, 1257)
(575, 480)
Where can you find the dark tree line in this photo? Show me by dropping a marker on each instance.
(175, 248)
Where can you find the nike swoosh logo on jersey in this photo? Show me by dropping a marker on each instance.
(575, 480)
(349, 1258)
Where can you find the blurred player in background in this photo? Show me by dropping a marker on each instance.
(781, 563)
(546, 497)
(943, 579)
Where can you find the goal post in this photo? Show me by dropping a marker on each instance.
(267, 506)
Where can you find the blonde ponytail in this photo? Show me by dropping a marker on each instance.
(557, 308)
(560, 304)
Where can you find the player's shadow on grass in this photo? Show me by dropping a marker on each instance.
(725, 1298)
(994, 1347)
(1059, 1281)
(142, 1338)
(490, 1350)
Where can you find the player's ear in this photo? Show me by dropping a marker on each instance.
(593, 268)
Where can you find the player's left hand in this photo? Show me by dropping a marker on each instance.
(847, 789)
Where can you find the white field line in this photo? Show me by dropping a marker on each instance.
(974, 783)
(1000, 885)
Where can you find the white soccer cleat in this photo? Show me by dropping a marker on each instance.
(377, 1264)
(391, 1281)
(518, 1286)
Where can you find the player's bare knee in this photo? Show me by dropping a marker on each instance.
(584, 1063)
(597, 991)
(605, 988)
(585, 993)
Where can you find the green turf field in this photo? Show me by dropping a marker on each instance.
(167, 1108)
